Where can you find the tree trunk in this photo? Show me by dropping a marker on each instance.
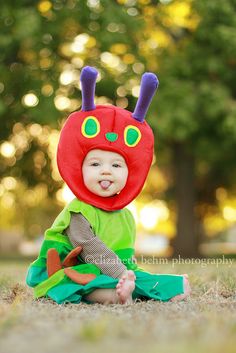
(185, 242)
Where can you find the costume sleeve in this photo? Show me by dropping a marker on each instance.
(94, 250)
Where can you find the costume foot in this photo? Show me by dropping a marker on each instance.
(187, 290)
(71, 258)
(53, 262)
(125, 288)
(80, 278)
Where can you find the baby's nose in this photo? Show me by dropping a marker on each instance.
(106, 169)
(111, 136)
(106, 172)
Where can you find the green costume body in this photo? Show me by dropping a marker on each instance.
(117, 230)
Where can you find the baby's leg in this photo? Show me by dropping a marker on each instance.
(103, 296)
(121, 295)
(187, 290)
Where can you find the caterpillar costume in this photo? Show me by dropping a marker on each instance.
(58, 272)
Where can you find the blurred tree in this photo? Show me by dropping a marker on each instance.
(197, 109)
(190, 43)
(43, 46)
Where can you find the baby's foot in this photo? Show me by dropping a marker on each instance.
(187, 290)
(125, 287)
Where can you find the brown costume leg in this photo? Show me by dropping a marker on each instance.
(71, 258)
(54, 265)
(80, 278)
(53, 262)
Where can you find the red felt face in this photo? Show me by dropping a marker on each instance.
(108, 128)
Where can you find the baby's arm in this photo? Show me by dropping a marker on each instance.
(81, 234)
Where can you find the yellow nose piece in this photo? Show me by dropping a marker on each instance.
(111, 136)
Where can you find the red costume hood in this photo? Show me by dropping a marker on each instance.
(108, 128)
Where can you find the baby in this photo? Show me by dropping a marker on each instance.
(104, 155)
(104, 174)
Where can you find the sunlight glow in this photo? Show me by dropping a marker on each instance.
(153, 213)
(229, 213)
(110, 59)
(81, 42)
(62, 103)
(44, 6)
(65, 195)
(7, 149)
(9, 183)
(8, 200)
(148, 217)
(67, 77)
(35, 130)
(30, 100)
(136, 91)
(133, 209)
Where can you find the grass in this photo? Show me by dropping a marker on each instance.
(205, 322)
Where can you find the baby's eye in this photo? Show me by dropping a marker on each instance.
(95, 164)
(116, 165)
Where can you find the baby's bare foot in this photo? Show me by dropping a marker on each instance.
(125, 288)
(187, 290)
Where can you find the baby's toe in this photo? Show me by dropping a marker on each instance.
(131, 275)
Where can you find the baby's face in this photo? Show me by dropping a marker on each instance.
(105, 173)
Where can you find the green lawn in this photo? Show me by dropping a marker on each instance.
(205, 322)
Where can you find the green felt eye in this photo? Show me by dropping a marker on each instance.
(132, 136)
(90, 127)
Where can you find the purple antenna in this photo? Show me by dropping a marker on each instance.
(88, 82)
(149, 84)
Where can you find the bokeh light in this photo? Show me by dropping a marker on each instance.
(65, 195)
(30, 100)
(7, 149)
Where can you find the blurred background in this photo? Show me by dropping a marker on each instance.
(188, 204)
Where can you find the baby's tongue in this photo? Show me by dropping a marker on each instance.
(105, 184)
